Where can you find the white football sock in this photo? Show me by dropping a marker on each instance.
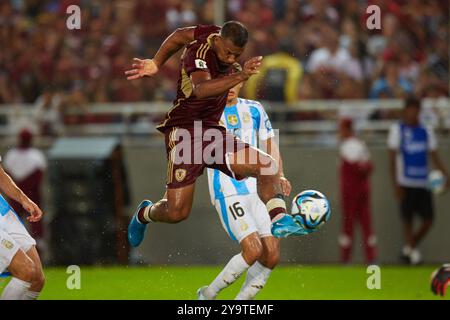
(145, 215)
(15, 290)
(257, 276)
(415, 257)
(406, 250)
(31, 295)
(232, 271)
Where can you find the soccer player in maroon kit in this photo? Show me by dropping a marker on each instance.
(205, 79)
(355, 170)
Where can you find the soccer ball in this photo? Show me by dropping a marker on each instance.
(311, 209)
(436, 181)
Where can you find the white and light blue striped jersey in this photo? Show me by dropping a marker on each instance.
(248, 120)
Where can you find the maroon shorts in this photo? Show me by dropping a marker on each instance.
(190, 150)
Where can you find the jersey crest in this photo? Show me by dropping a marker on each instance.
(180, 174)
(232, 119)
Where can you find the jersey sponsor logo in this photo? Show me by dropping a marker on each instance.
(180, 174)
(243, 225)
(246, 117)
(7, 244)
(411, 145)
(232, 119)
(201, 64)
(408, 134)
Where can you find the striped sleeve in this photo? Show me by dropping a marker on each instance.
(197, 58)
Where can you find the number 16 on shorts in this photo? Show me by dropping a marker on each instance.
(242, 215)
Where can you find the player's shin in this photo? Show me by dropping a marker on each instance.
(256, 279)
(276, 207)
(232, 271)
(144, 215)
(269, 191)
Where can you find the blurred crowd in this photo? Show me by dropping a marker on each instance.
(342, 58)
(41, 61)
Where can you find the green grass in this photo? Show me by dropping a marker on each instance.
(286, 282)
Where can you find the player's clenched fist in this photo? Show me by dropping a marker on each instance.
(252, 66)
(440, 280)
(142, 68)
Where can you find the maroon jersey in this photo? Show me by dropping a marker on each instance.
(198, 56)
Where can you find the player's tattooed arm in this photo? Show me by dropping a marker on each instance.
(173, 43)
(205, 87)
(8, 186)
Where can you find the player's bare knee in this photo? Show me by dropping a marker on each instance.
(26, 272)
(252, 255)
(271, 257)
(252, 249)
(39, 280)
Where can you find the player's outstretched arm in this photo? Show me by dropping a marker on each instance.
(8, 187)
(173, 43)
(205, 87)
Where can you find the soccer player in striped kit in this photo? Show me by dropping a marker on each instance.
(242, 213)
(17, 248)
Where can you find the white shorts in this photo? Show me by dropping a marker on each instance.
(13, 236)
(242, 215)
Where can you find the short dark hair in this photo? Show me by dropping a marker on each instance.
(412, 102)
(236, 32)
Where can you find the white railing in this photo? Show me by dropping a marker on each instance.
(436, 112)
